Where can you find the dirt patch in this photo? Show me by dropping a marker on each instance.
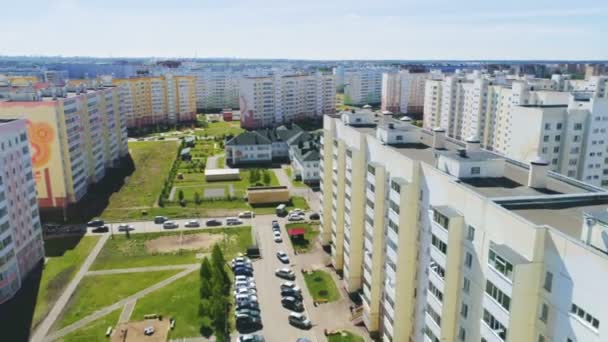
(134, 331)
(191, 242)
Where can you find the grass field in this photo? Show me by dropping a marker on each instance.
(59, 270)
(221, 162)
(295, 183)
(321, 286)
(95, 331)
(305, 244)
(96, 292)
(121, 252)
(178, 300)
(346, 336)
(152, 163)
(220, 128)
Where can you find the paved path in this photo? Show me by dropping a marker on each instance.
(141, 269)
(108, 309)
(211, 162)
(311, 197)
(127, 310)
(51, 317)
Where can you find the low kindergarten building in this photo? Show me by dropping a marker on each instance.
(278, 145)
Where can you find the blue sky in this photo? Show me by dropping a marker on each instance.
(308, 29)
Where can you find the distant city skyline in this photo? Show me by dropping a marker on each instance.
(382, 29)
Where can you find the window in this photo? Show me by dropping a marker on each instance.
(440, 245)
(468, 260)
(585, 316)
(436, 292)
(558, 126)
(393, 206)
(546, 138)
(541, 338)
(498, 295)
(471, 233)
(544, 313)
(557, 137)
(475, 170)
(578, 126)
(370, 203)
(371, 169)
(548, 281)
(464, 310)
(495, 325)
(434, 315)
(500, 264)
(462, 334)
(441, 219)
(466, 285)
(547, 126)
(396, 187)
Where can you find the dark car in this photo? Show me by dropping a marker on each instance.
(292, 304)
(243, 271)
(96, 223)
(248, 323)
(213, 223)
(291, 293)
(248, 304)
(102, 229)
(314, 216)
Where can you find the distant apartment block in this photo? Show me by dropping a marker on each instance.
(157, 100)
(504, 114)
(74, 136)
(403, 92)
(279, 99)
(450, 242)
(363, 86)
(216, 89)
(21, 245)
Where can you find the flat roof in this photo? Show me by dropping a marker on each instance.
(214, 172)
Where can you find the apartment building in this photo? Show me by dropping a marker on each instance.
(450, 242)
(21, 245)
(157, 100)
(74, 140)
(403, 91)
(217, 89)
(363, 86)
(269, 101)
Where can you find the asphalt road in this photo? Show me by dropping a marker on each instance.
(150, 227)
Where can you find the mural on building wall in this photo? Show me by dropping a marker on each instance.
(42, 136)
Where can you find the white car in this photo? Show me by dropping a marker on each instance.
(242, 278)
(290, 285)
(296, 211)
(244, 291)
(285, 273)
(282, 256)
(247, 284)
(277, 237)
(125, 227)
(246, 214)
(170, 225)
(233, 221)
(149, 331)
(296, 217)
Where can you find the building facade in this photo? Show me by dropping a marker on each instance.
(271, 101)
(363, 86)
(21, 245)
(74, 140)
(156, 100)
(449, 242)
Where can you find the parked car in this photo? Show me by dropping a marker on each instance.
(102, 229)
(285, 273)
(244, 290)
(291, 293)
(243, 271)
(251, 338)
(149, 331)
(243, 278)
(170, 225)
(248, 312)
(246, 323)
(247, 305)
(160, 219)
(247, 284)
(246, 214)
(232, 221)
(282, 256)
(288, 285)
(277, 237)
(296, 211)
(292, 304)
(314, 216)
(96, 223)
(192, 224)
(240, 260)
(295, 217)
(213, 223)
(123, 227)
(299, 320)
(275, 224)
(281, 210)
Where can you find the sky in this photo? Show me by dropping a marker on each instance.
(308, 29)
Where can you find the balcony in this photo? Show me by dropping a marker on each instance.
(430, 323)
(495, 309)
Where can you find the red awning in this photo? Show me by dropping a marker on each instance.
(296, 231)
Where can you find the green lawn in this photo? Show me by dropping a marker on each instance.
(345, 336)
(307, 242)
(178, 300)
(321, 286)
(94, 331)
(152, 161)
(121, 252)
(221, 162)
(220, 128)
(65, 256)
(96, 292)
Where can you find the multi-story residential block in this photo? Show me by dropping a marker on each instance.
(21, 246)
(74, 140)
(403, 91)
(157, 100)
(363, 86)
(275, 100)
(505, 118)
(217, 89)
(450, 242)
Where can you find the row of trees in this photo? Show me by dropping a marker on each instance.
(215, 292)
(259, 176)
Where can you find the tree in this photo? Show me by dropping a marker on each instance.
(205, 268)
(197, 198)
(266, 177)
(180, 195)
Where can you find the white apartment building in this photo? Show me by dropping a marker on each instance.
(21, 246)
(449, 242)
(217, 89)
(403, 92)
(275, 100)
(475, 106)
(363, 86)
